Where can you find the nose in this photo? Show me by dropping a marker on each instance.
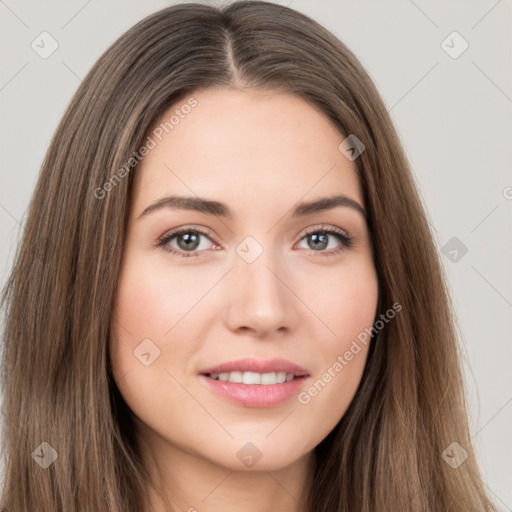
(260, 298)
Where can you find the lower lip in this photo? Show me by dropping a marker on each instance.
(255, 395)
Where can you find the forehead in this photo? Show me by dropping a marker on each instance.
(244, 147)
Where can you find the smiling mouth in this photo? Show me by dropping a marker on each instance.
(253, 378)
(255, 383)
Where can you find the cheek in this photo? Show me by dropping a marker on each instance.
(324, 402)
(349, 310)
(348, 304)
(151, 299)
(140, 313)
(327, 397)
(148, 304)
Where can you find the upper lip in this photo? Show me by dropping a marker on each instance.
(257, 365)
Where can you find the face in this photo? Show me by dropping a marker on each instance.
(218, 303)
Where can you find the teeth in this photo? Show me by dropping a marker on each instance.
(251, 378)
(254, 377)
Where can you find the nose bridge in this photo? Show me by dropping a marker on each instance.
(257, 267)
(258, 296)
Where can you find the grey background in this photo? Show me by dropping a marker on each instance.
(452, 114)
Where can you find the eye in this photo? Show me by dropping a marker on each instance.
(188, 240)
(318, 238)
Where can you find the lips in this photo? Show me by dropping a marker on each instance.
(257, 366)
(255, 383)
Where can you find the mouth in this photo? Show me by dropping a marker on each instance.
(256, 371)
(255, 383)
(252, 378)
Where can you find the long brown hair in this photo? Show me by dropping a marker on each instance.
(386, 452)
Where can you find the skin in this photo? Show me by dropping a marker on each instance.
(260, 153)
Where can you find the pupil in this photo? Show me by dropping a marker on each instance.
(190, 240)
(315, 239)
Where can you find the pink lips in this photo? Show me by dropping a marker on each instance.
(255, 365)
(256, 395)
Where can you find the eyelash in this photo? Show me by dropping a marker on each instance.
(346, 240)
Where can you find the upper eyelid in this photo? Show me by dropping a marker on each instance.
(324, 227)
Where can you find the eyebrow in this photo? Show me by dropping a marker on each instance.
(210, 207)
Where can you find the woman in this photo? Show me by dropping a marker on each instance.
(227, 293)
